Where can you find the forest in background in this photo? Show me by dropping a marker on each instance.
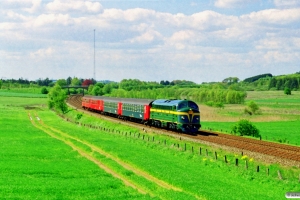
(228, 91)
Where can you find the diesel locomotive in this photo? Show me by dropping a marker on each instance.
(173, 114)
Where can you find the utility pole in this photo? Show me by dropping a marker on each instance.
(94, 57)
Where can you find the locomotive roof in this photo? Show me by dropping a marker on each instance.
(170, 102)
(123, 100)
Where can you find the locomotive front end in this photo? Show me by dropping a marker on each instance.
(188, 116)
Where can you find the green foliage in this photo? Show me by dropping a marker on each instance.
(215, 104)
(287, 81)
(79, 116)
(106, 89)
(244, 127)
(252, 108)
(44, 90)
(0, 84)
(231, 80)
(61, 82)
(75, 82)
(97, 91)
(287, 91)
(57, 99)
(255, 78)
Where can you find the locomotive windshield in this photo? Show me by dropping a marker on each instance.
(188, 104)
(192, 105)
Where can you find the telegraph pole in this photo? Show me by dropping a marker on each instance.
(94, 57)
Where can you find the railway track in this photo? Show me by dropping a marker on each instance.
(280, 151)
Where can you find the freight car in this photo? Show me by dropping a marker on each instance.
(179, 115)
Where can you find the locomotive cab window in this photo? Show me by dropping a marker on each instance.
(182, 105)
(193, 105)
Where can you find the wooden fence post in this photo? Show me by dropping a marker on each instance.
(225, 159)
(192, 149)
(268, 171)
(279, 175)
(246, 164)
(206, 152)
(216, 155)
(184, 146)
(257, 168)
(200, 150)
(236, 162)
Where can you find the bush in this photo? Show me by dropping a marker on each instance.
(44, 90)
(244, 127)
(252, 108)
(287, 91)
(215, 104)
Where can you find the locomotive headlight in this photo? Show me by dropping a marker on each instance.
(182, 117)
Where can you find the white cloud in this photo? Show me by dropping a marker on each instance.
(52, 19)
(231, 3)
(78, 6)
(287, 3)
(42, 53)
(274, 16)
(147, 37)
(36, 4)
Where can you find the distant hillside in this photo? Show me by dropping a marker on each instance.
(291, 81)
(255, 78)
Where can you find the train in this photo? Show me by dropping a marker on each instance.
(172, 114)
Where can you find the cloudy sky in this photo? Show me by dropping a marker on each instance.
(150, 40)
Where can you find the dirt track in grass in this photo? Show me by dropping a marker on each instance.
(64, 137)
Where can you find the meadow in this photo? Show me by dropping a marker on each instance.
(278, 121)
(51, 158)
(36, 166)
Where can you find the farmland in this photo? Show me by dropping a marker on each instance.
(51, 158)
(279, 120)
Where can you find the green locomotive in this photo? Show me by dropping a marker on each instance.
(180, 115)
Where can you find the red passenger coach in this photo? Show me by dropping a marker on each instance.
(126, 108)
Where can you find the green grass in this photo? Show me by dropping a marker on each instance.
(36, 166)
(191, 172)
(8, 93)
(287, 131)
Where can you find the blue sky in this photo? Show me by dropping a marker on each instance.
(150, 40)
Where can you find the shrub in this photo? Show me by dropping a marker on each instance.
(287, 91)
(44, 90)
(252, 108)
(244, 127)
(79, 116)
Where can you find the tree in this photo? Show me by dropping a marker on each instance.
(107, 89)
(287, 91)
(56, 99)
(254, 108)
(97, 90)
(87, 82)
(1, 84)
(44, 90)
(69, 80)
(75, 82)
(244, 127)
(61, 82)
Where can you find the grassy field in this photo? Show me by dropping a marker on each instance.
(36, 166)
(279, 119)
(50, 158)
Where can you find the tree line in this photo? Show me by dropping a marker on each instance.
(282, 82)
